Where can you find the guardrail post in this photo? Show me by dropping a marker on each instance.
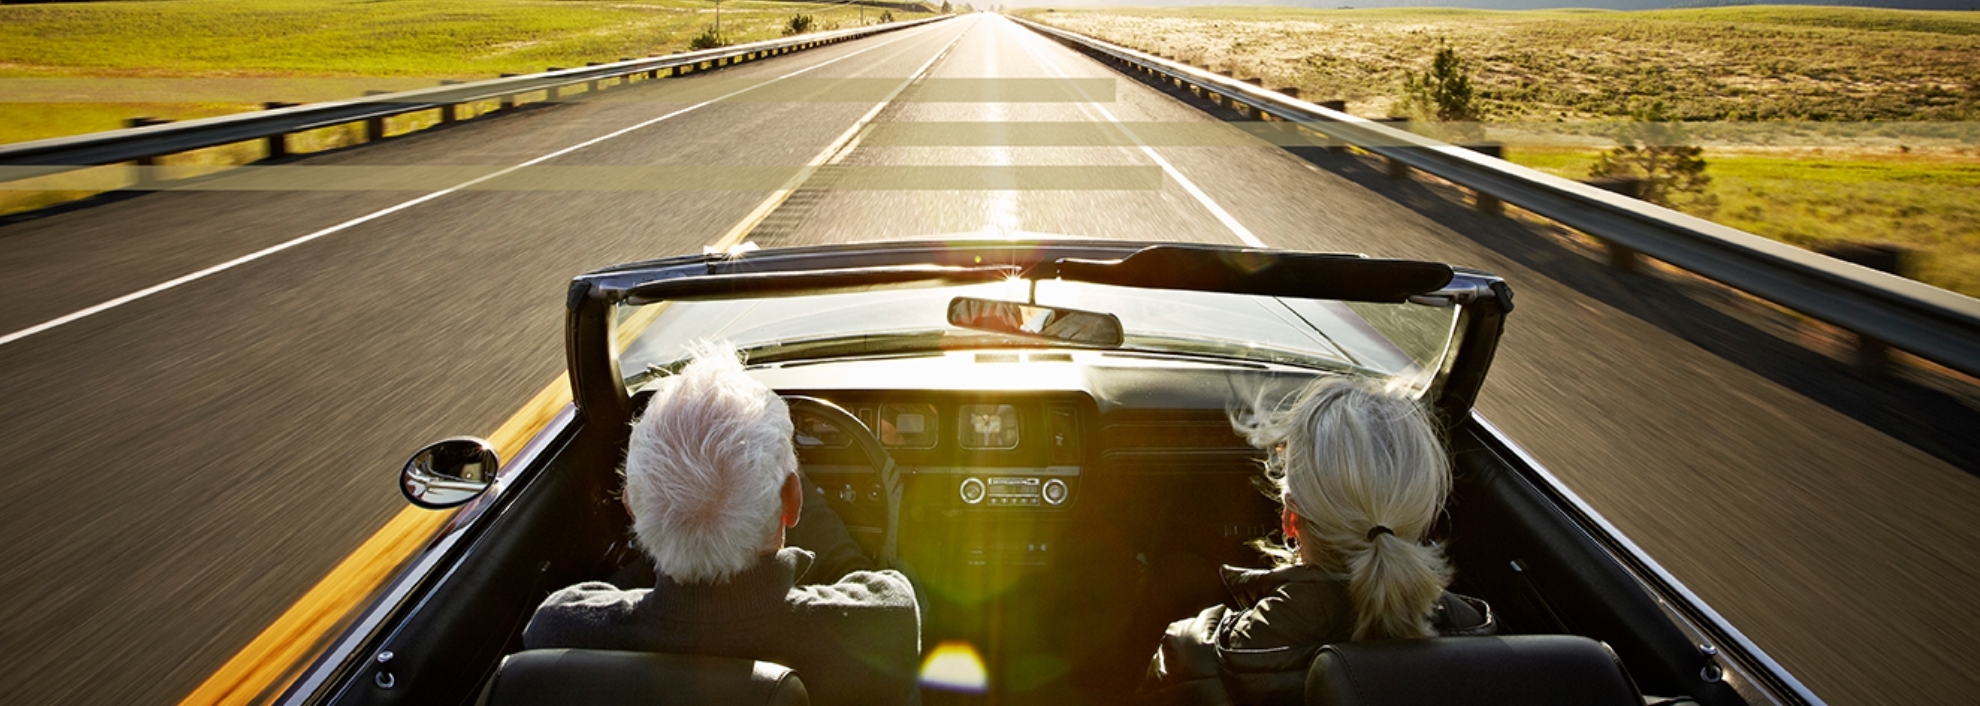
(1397, 170)
(145, 165)
(448, 112)
(626, 78)
(1873, 355)
(1621, 257)
(591, 86)
(278, 144)
(1225, 100)
(1253, 111)
(374, 127)
(1486, 203)
(551, 93)
(1329, 141)
(508, 99)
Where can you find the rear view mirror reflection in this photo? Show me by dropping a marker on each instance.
(449, 472)
(1031, 320)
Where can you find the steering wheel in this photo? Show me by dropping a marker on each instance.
(876, 454)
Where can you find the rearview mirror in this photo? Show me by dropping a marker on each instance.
(1049, 322)
(449, 472)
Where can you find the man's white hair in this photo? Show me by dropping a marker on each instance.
(704, 469)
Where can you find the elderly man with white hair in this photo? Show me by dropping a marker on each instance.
(712, 485)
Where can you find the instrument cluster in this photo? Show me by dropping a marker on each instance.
(1010, 451)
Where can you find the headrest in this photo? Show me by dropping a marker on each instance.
(1532, 670)
(584, 677)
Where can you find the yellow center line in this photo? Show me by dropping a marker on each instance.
(273, 657)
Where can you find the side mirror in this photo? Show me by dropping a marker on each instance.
(449, 472)
(1035, 321)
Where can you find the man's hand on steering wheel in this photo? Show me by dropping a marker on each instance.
(887, 554)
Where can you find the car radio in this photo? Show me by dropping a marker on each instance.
(1017, 491)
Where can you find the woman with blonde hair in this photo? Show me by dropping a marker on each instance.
(1361, 476)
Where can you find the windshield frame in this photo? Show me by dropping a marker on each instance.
(594, 339)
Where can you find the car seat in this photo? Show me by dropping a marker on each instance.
(1531, 670)
(587, 677)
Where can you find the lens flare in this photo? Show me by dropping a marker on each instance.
(955, 666)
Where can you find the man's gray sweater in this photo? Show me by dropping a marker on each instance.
(855, 641)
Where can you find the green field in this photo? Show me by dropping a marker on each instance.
(1929, 205)
(1820, 124)
(398, 39)
(320, 49)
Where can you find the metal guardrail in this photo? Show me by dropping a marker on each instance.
(1930, 322)
(51, 156)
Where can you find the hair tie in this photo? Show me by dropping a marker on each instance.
(1378, 531)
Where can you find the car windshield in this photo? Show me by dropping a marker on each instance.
(1406, 342)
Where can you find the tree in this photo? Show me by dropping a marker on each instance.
(1443, 94)
(886, 16)
(1659, 152)
(947, 8)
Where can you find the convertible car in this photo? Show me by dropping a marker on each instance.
(1042, 431)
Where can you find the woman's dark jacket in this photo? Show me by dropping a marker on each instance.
(1255, 649)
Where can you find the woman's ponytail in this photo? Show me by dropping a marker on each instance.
(1394, 584)
(1365, 473)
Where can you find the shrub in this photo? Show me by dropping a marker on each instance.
(886, 16)
(708, 39)
(1660, 152)
(799, 24)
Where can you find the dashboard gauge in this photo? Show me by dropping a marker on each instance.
(815, 432)
(988, 426)
(910, 426)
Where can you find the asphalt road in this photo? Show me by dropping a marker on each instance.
(180, 469)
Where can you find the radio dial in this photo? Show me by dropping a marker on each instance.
(972, 491)
(1055, 491)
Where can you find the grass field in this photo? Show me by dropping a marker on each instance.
(387, 39)
(1820, 124)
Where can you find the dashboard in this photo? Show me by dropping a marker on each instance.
(989, 478)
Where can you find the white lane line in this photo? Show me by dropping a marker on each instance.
(832, 154)
(346, 225)
(1222, 215)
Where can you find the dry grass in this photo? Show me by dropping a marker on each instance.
(1737, 63)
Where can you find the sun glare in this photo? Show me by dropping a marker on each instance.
(954, 666)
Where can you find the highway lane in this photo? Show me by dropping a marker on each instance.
(180, 469)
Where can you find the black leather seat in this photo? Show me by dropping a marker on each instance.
(597, 677)
(1531, 670)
